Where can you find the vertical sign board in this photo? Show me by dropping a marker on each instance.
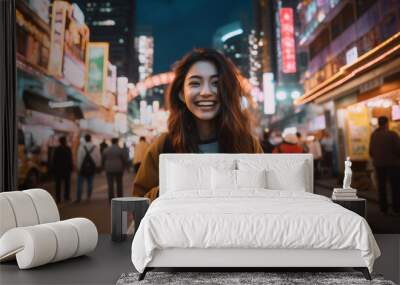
(122, 93)
(112, 78)
(96, 62)
(269, 93)
(75, 45)
(358, 132)
(57, 38)
(287, 40)
(396, 112)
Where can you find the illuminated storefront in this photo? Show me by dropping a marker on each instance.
(353, 66)
(361, 118)
(52, 97)
(362, 91)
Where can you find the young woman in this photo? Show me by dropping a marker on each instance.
(204, 101)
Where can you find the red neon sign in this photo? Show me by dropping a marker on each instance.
(288, 46)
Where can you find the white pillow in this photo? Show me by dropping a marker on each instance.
(281, 173)
(223, 179)
(292, 180)
(234, 179)
(183, 177)
(251, 178)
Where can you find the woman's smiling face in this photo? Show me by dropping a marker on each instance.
(200, 90)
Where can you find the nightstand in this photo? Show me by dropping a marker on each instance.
(119, 211)
(357, 205)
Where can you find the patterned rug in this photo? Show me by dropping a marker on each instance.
(230, 278)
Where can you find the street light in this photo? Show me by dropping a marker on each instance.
(281, 95)
(295, 94)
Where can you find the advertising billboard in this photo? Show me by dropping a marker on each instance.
(57, 38)
(75, 45)
(288, 45)
(358, 132)
(96, 62)
(69, 40)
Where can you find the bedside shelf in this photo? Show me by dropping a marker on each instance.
(357, 205)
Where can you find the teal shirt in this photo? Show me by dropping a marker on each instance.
(211, 147)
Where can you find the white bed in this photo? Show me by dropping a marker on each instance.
(282, 224)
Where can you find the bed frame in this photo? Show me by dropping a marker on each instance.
(243, 259)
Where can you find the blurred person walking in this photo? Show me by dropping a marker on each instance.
(302, 142)
(384, 150)
(125, 150)
(327, 151)
(62, 166)
(266, 145)
(114, 161)
(314, 147)
(103, 146)
(88, 160)
(140, 151)
(290, 144)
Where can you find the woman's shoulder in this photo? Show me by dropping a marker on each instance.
(157, 146)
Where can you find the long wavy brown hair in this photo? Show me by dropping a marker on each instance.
(234, 127)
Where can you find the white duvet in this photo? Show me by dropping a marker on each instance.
(253, 218)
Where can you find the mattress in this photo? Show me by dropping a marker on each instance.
(250, 219)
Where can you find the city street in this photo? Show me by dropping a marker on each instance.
(99, 210)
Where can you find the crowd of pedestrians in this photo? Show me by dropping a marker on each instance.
(384, 151)
(91, 160)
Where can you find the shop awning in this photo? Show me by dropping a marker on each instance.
(47, 87)
(36, 102)
(382, 60)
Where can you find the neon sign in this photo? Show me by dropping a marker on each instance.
(287, 40)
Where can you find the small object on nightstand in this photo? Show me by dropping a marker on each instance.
(345, 193)
(347, 174)
(119, 218)
(357, 205)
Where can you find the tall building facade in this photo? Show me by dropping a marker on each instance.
(264, 31)
(353, 68)
(275, 27)
(144, 48)
(231, 39)
(113, 22)
(263, 53)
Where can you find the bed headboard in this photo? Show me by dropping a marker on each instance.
(275, 161)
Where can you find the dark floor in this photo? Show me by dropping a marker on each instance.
(106, 264)
(110, 260)
(102, 266)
